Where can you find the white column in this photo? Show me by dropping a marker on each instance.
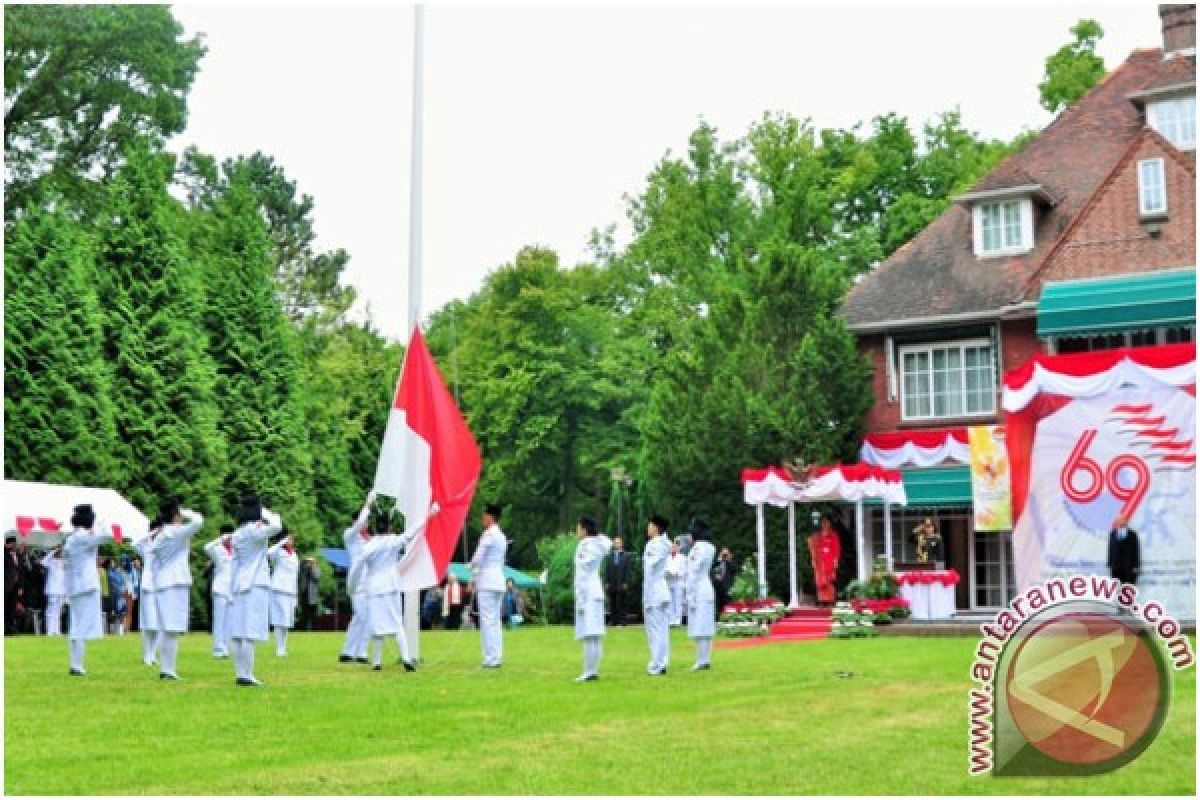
(887, 534)
(794, 601)
(761, 531)
(864, 569)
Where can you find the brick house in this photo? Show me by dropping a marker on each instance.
(1084, 240)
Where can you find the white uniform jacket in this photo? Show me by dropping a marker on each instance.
(589, 588)
(655, 593)
(250, 553)
(701, 619)
(56, 576)
(79, 558)
(488, 563)
(172, 549)
(355, 541)
(285, 569)
(146, 548)
(676, 568)
(222, 561)
(375, 571)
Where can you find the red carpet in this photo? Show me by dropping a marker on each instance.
(801, 625)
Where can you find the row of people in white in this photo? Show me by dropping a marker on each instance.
(164, 601)
(656, 595)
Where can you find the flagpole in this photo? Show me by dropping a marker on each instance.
(412, 614)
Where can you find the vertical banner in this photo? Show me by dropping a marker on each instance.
(991, 492)
(1128, 452)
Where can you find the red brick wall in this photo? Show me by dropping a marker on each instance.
(1111, 240)
(1018, 342)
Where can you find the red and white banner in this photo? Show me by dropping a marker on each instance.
(896, 449)
(428, 456)
(1096, 435)
(840, 483)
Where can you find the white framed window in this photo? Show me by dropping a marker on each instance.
(1004, 227)
(1175, 119)
(1152, 187)
(947, 379)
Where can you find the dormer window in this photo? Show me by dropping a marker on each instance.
(1175, 119)
(1003, 227)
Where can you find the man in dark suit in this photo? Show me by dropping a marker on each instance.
(616, 581)
(1124, 553)
(722, 578)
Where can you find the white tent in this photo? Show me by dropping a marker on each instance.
(39, 514)
(838, 484)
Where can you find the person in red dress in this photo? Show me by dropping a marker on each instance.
(825, 548)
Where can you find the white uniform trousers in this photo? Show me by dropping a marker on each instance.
(357, 635)
(220, 625)
(54, 609)
(658, 636)
(592, 650)
(489, 626)
(677, 603)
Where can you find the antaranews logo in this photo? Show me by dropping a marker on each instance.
(1074, 679)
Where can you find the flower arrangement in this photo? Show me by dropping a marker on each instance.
(883, 610)
(849, 623)
(750, 617)
(877, 598)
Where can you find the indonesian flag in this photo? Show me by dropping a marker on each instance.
(428, 456)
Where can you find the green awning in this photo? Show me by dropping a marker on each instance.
(940, 486)
(519, 579)
(1125, 302)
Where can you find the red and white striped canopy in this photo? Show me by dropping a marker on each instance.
(39, 514)
(916, 448)
(1091, 374)
(835, 484)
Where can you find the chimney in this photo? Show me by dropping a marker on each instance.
(1179, 29)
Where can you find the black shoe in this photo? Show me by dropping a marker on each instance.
(378, 667)
(361, 661)
(78, 672)
(491, 666)
(248, 682)
(409, 666)
(166, 676)
(345, 659)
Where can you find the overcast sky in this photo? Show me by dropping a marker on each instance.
(539, 119)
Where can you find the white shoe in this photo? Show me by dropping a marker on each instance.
(696, 667)
(281, 653)
(585, 677)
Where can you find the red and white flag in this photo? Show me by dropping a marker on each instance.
(428, 456)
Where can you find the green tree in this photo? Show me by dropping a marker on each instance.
(162, 377)
(546, 383)
(80, 83)
(259, 387)
(1073, 69)
(58, 400)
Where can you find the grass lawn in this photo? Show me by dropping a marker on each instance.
(766, 720)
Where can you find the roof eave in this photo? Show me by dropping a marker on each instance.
(1024, 190)
(1146, 95)
(1021, 310)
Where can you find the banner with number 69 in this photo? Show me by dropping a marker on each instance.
(1129, 453)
